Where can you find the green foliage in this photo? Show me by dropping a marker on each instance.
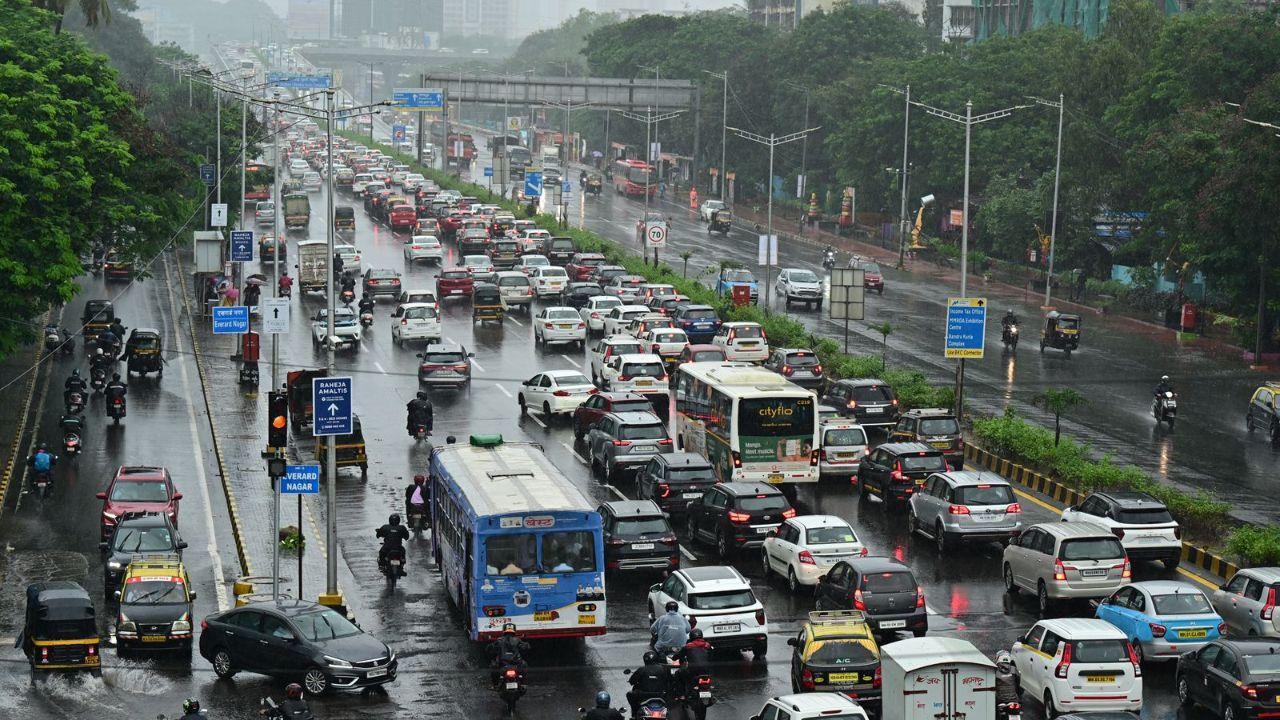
(565, 42)
(1258, 546)
(1058, 402)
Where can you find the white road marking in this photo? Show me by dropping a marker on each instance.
(504, 390)
(534, 417)
(573, 362)
(616, 491)
(687, 555)
(930, 610)
(515, 321)
(379, 366)
(574, 453)
(476, 365)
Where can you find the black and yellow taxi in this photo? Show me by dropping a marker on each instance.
(835, 651)
(155, 607)
(934, 427)
(60, 631)
(1264, 410)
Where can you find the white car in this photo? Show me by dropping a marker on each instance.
(413, 181)
(1077, 664)
(528, 263)
(620, 317)
(559, 325)
(1145, 528)
(555, 392)
(299, 167)
(346, 328)
(418, 295)
(842, 447)
(804, 548)
(415, 321)
(549, 281)
(664, 342)
(516, 289)
(423, 247)
(720, 599)
(635, 372)
(609, 346)
(350, 259)
(742, 341)
(709, 207)
(797, 285)
(480, 267)
(398, 173)
(596, 309)
(812, 706)
(361, 181)
(312, 180)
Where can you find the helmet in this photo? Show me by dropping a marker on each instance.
(43, 447)
(650, 657)
(97, 351)
(75, 373)
(1164, 378)
(419, 479)
(115, 376)
(190, 705)
(509, 629)
(672, 606)
(293, 691)
(394, 519)
(422, 395)
(603, 700)
(695, 634)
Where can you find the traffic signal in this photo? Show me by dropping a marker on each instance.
(278, 419)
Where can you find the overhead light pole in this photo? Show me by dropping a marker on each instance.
(569, 106)
(905, 176)
(1057, 176)
(724, 132)
(649, 146)
(803, 185)
(649, 119)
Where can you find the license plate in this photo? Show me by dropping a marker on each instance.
(376, 672)
(513, 686)
(586, 619)
(942, 445)
(776, 478)
(395, 563)
(642, 546)
(565, 327)
(542, 616)
(746, 344)
(691, 495)
(644, 383)
(726, 627)
(985, 517)
(1099, 678)
(845, 677)
(1194, 633)
(704, 694)
(153, 638)
(1093, 573)
(892, 624)
(455, 292)
(874, 409)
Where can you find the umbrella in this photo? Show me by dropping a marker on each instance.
(596, 153)
(256, 279)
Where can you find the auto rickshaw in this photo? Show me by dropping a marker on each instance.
(145, 350)
(487, 303)
(721, 221)
(97, 316)
(349, 450)
(60, 632)
(1061, 332)
(594, 184)
(344, 219)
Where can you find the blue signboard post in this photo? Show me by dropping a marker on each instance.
(488, 172)
(418, 98)
(297, 81)
(532, 184)
(242, 245)
(567, 187)
(208, 174)
(331, 400)
(232, 320)
(966, 327)
(397, 134)
(300, 480)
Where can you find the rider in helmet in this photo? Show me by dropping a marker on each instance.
(1166, 385)
(1009, 319)
(602, 711)
(191, 710)
(420, 412)
(651, 681)
(293, 706)
(507, 650)
(42, 461)
(415, 496)
(393, 535)
(75, 383)
(671, 631)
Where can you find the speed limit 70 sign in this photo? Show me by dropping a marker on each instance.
(656, 235)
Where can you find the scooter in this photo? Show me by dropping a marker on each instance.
(75, 402)
(1009, 336)
(652, 709)
(420, 432)
(53, 338)
(347, 296)
(510, 686)
(392, 566)
(1165, 408)
(116, 408)
(1008, 700)
(97, 379)
(698, 697)
(366, 318)
(828, 260)
(286, 291)
(272, 711)
(72, 428)
(417, 520)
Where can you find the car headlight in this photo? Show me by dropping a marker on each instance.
(336, 662)
(391, 659)
(114, 565)
(109, 515)
(182, 626)
(127, 626)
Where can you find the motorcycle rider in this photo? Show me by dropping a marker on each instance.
(420, 412)
(652, 680)
(191, 710)
(285, 284)
(507, 650)
(393, 535)
(116, 387)
(1009, 320)
(293, 706)
(602, 711)
(367, 303)
(1165, 386)
(415, 496)
(695, 656)
(107, 340)
(349, 284)
(117, 328)
(42, 461)
(671, 631)
(75, 383)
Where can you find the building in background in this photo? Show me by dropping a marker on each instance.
(959, 20)
(159, 25)
(786, 13)
(493, 18)
(308, 19)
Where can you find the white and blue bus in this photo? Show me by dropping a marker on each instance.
(515, 541)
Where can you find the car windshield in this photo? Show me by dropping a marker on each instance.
(570, 551)
(1143, 516)
(153, 591)
(830, 535)
(420, 297)
(749, 332)
(1107, 548)
(443, 358)
(565, 314)
(722, 600)
(155, 491)
(1183, 603)
(708, 356)
(149, 539)
(762, 502)
(1100, 651)
(324, 625)
(741, 276)
(939, 426)
(640, 526)
(886, 582)
(840, 652)
(843, 437)
(984, 495)
(1268, 664)
(644, 369)
(574, 379)
(871, 393)
(803, 276)
(642, 432)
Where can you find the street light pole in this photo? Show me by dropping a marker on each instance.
(275, 228)
(803, 185)
(724, 132)
(657, 157)
(905, 174)
(331, 450)
(1057, 176)
(649, 119)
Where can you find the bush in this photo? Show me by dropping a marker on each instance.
(1256, 546)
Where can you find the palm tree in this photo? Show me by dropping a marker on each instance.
(94, 11)
(1058, 402)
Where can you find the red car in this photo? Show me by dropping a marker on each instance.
(702, 353)
(582, 265)
(138, 489)
(451, 224)
(586, 415)
(872, 278)
(403, 217)
(455, 281)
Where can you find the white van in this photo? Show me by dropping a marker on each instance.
(939, 672)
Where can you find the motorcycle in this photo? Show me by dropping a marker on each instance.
(286, 291)
(392, 567)
(75, 402)
(1008, 700)
(43, 483)
(72, 428)
(56, 340)
(116, 408)
(272, 711)
(699, 698)
(652, 709)
(347, 296)
(417, 519)
(366, 318)
(1165, 408)
(829, 260)
(1009, 336)
(420, 432)
(510, 686)
(97, 379)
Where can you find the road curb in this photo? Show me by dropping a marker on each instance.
(1201, 558)
(21, 430)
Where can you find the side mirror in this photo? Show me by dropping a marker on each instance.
(792, 642)
(471, 354)
(116, 594)
(822, 578)
(177, 496)
(419, 354)
(655, 587)
(182, 544)
(192, 596)
(626, 672)
(772, 534)
(101, 496)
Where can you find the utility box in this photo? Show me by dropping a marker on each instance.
(209, 246)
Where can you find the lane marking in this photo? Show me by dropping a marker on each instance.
(574, 453)
(534, 417)
(379, 366)
(572, 362)
(688, 555)
(504, 390)
(616, 491)
(476, 365)
(517, 322)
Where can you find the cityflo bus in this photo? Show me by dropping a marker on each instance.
(515, 541)
(750, 423)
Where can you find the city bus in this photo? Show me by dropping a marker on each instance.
(515, 541)
(258, 178)
(631, 177)
(750, 423)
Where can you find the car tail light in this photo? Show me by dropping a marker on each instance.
(529, 292)
(897, 473)
(1119, 533)
(404, 321)
(668, 540)
(664, 490)
(664, 441)
(1013, 509)
(817, 369)
(895, 401)
(1249, 692)
(615, 541)
(787, 370)
(1157, 630)
(1222, 629)
(1133, 658)
(864, 552)
(806, 558)
(959, 443)
(919, 596)
(624, 378)
(1177, 533)
(561, 393)
(822, 454)
(546, 325)
(204, 625)
(858, 602)
(621, 443)
(1059, 570)
(1065, 664)
(738, 517)
(594, 315)
(1126, 570)
(760, 617)
(581, 325)
(1269, 609)
(806, 679)
(958, 510)
(656, 347)
(737, 459)
(789, 513)
(462, 368)
(704, 680)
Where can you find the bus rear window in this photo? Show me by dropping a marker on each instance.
(572, 551)
(515, 554)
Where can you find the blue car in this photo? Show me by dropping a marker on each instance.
(1162, 618)
(699, 322)
(737, 276)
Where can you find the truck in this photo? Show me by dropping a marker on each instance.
(936, 678)
(297, 211)
(313, 265)
(549, 155)
(301, 411)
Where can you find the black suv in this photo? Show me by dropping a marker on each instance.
(883, 589)
(445, 365)
(637, 536)
(737, 515)
(937, 428)
(893, 470)
(673, 480)
(136, 535)
(871, 402)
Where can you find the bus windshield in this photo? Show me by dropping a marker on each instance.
(640, 176)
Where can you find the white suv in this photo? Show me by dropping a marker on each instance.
(797, 285)
(1145, 528)
(1076, 665)
(1060, 561)
(742, 341)
(804, 548)
(812, 706)
(719, 598)
(635, 372)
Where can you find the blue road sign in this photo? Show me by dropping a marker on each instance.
(232, 320)
(418, 98)
(298, 81)
(532, 184)
(966, 327)
(209, 174)
(397, 133)
(488, 172)
(567, 187)
(331, 401)
(300, 480)
(242, 245)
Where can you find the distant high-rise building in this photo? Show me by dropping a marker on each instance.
(494, 18)
(308, 19)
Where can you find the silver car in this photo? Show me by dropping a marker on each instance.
(844, 444)
(1247, 602)
(625, 441)
(963, 505)
(1061, 561)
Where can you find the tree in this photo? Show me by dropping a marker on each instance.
(885, 329)
(1058, 402)
(94, 11)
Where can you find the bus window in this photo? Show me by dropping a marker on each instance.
(511, 554)
(573, 551)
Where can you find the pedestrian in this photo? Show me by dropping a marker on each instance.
(251, 294)
(231, 296)
(1082, 281)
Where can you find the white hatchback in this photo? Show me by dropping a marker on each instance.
(620, 317)
(1076, 665)
(804, 548)
(415, 321)
(596, 309)
(549, 281)
(642, 373)
(350, 259)
(423, 247)
(528, 263)
(555, 392)
(559, 325)
(742, 341)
